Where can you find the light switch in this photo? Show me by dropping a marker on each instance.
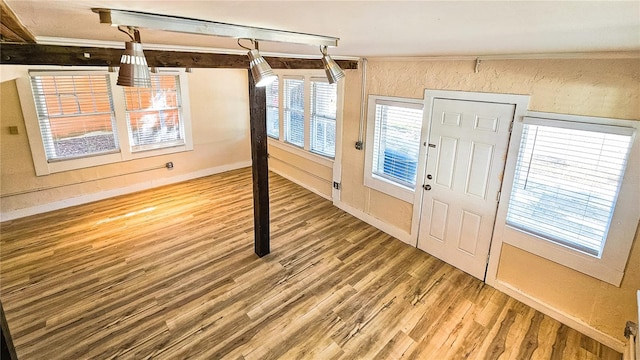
(13, 130)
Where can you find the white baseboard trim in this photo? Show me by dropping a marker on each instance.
(149, 184)
(397, 233)
(569, 320)
(306, 186)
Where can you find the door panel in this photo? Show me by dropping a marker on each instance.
(466, 166)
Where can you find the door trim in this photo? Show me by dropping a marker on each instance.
(521, 103)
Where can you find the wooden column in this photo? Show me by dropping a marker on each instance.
(258, 123)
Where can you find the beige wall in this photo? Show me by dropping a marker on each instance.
(220, 122)
(299, 169)
(603, 88)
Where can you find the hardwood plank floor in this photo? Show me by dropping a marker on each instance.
(170, 273)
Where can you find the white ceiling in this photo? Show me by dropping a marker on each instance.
(369, 28)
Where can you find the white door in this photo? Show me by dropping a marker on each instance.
(463, 177)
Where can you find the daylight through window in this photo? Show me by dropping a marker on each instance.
(566, 183)
(75, 115)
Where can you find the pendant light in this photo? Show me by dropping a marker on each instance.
(333, 71)
(134, 70)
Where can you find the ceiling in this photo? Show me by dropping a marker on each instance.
(367, 28)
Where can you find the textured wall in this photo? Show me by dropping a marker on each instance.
(312, 175)
(604, 88)
(220, 122)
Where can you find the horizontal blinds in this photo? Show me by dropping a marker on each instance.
(273, 116)
(75, 114)
(397, 142)
(293, 90)
(566, 183)
(323, 118)
(154, 115)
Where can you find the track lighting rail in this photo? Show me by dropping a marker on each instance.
(204, 27)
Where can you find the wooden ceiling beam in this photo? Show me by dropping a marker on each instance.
(11, 28)
(34, 54)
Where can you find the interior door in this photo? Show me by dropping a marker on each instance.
(465, 161)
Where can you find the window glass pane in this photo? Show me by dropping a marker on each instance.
(273, 116)
(566, 184)
(75, 114)
(294, 111)
(323, 118)
(397, 143)
(154, 115)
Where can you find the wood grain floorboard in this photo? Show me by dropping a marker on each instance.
(170, 273)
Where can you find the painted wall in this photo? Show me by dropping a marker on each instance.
(313, 175)
(604, 88)
(220, 122)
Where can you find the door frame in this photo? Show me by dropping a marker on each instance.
(521, 103)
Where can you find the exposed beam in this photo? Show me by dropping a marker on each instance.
(260, 167)
(33, 54)
(11, 28)
(205, 27)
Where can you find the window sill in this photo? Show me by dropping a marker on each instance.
(390, 188)
(576, 260)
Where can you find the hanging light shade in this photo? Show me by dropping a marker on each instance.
(334, 72)
(260, 69)
(133, 67)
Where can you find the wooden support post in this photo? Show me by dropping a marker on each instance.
(7, 349)
(258, 124)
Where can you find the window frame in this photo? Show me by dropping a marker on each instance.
(278, 107)
(379, 183)
(305, 151)
(125, 153)
(305, 111)
(611, 265)
(312, 113)
(178, 108)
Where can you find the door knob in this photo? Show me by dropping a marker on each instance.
(426, 187)
(429, 176)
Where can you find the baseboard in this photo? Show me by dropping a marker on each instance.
(306, 186)
(397, 233)
(149, 184)
(562, 317)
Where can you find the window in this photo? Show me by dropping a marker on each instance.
(323, 117)
(566, 183)
(302, 115)
(394, 128)
(78, 119)
(273, 112)
(571, 182)
(75, 114)
(294, 111)
(154, 115)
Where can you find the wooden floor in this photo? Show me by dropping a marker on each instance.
(170, 273)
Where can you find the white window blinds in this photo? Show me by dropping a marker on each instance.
(396, 142)
(323, 117)
(154, 115)
(567, 180)
(273, 116)
(293, 90)
(75, 115)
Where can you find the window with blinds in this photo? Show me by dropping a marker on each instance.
(75, 115)
(323, 117)
(273, 110)
(567, 180)
(396, 141)
(293, 91)
(154, 115)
